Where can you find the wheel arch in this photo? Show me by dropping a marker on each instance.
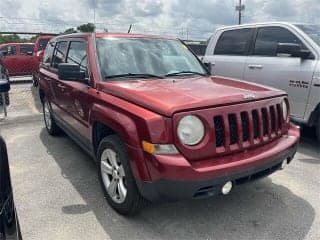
(314, 116)
(106, 121)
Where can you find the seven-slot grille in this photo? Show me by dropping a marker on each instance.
(248, 127)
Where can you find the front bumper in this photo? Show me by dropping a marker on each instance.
(177, 179)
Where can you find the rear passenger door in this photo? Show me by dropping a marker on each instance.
(57, 86)
(291, 74)
(230, 52)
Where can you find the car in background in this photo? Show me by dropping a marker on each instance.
(282, 55)
(9, 224)
(197, 47)
(17, 58)
(159, 126)
(4, 77)
(39, 45)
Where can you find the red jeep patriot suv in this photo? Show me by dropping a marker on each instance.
(159, 126)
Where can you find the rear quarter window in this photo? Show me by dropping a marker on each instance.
(43, 44)
(233, 42)
(47, 57)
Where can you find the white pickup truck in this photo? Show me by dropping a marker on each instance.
(281, 55)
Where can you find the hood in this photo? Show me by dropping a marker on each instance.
(170, 95)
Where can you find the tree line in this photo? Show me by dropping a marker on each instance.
(15, 38)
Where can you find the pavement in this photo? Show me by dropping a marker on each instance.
(58, 195)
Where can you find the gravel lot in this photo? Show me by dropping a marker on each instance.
(58, 195)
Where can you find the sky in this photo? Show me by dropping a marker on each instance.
(192, 19)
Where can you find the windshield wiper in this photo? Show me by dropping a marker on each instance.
(185, 73)
(134, 75)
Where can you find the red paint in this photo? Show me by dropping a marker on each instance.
(150, 110)
(17, 63)
(179, 168)
(39, 46)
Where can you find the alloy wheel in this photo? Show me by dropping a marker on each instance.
(113, 175)
(47, 115)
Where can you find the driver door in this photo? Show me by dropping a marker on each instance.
(291, 74)
(76, 93)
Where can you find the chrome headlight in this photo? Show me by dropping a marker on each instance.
(285, 110)
(190, 130)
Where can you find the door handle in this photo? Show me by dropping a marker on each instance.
(255, 66)
(61, 86)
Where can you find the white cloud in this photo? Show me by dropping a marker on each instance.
(182, 18)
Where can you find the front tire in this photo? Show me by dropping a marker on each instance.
(49, 121)
(116, 178)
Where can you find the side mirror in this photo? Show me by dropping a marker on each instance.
(292, 49)
(71, 72)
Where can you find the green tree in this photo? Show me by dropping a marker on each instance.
(14, 38)
(89, 27)
(34, 38)
(70, 30)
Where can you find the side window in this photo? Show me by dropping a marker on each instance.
(3, 51)
(268, 38)
(8, 51)
(77, 54)
(26, 49)
(47, 56)
(12, 50)
(233, 42)
(59, 53)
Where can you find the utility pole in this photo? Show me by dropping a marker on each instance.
(130, 27)
(240, 8)
(94, 13)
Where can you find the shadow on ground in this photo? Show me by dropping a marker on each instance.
(309, 147)
(36, 98)
(260, 210)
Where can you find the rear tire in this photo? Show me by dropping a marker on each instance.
(116, 178)
(49, 121)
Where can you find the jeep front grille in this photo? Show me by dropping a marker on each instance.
(247, 127)
(235, 128)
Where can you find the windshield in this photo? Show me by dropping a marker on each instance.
(159, 57)
(312, 30)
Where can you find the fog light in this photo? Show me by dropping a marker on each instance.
(284, 164)
(226, 188)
